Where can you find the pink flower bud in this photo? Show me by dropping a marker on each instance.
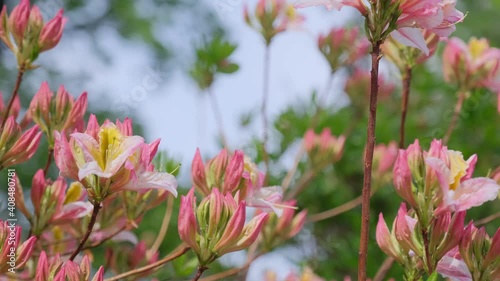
(198, 174)
(37, 190)
(18, 21)
(248, 235)
(494, 251)
(75, 116)
(23, 149)
(40, 107)
(216, 168)
(446, 233)
(10, 237)
(234, 172)
(233, 229)
(187, 225)
(52, 32)
(36, 19)
(403, 178)
(404, 230)
(387, 242)
(4, 29)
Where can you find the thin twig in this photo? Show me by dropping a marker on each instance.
(406, 77)
(263, 109)
(340, 209)
(337, 210)
(370, 144)
(164, 225)
(179, 251)
(95, 212)
(456, 113)
(384, 268)
(302, 183)
(19, 79)
(200, 271)
(218, 117)
(49, 161)
(488, 219)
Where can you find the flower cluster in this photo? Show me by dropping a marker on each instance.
(62, 113)
(440, 180)
(323, 148)
(472, 66)
(13, 254)
(107, 159)
(236, 175)
(27, 35)
(342, 46)
(272, 17)
(216, 226)
(55, 269)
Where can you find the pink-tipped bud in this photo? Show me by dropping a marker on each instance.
(10, 241)
(493, 255)
(198, 174)
(404, 230)
(446, 233)
(403, 178)
(75, 116)
(36, 18)
(37, 190)
(234, 172)
(4, 29)
(24, 148)
(18, 21)
(52, 32)
(233, 229)
(386, 241)
(248, 235)
(216, 169)
(187, 225)
(40, 107)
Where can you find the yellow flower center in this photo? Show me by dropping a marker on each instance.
(478, 46)
(458, 168)
(110, 140)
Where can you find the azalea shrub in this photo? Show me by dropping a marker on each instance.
(387, 156)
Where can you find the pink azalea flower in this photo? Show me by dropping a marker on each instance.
(438, 16)
(459, 191)
(473, 65)
(105, 161)
(445, 170)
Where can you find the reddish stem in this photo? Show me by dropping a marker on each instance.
(95, 212)
(368, 161)
(200, 271)
(14, 94)
(49, 161)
